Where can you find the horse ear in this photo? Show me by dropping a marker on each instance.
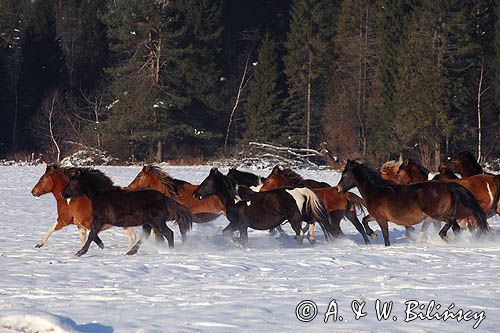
(146, 168)
(406, 162)
(50, 169)
(214, 170)
(276, 170)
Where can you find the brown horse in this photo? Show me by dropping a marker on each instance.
(337, 205)
(484, 187)
(152, 177)
(465, 164)
(265, 210)
(77, 211)
(115, 206)
(411, 204)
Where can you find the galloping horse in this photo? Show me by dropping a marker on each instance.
(484, 187)
(266, 209)
(247, 179)
(465, 164)
(411, 204)
(122, 208)
(337, 205)
(152, 177)
(77, 211)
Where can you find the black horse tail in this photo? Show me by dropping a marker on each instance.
(496, 200)
(355, 201)
(466, 199)
(182, 214)
(315, 209)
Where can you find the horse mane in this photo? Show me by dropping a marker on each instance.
(93, 178)
(294, 179)
(374, 176)
(248, 176)
(467, 157)
(419, 166)
(170, 183)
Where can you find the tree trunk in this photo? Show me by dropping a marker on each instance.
(309, 79)
(479, 93)
(159, 151)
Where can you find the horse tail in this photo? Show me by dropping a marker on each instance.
(182, 214)
(463, 197)
(496, 201)
(314, 208)
(355, 200)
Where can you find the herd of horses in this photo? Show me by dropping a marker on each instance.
(402, 192)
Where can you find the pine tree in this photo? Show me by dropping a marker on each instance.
(497, 61)
(309, 50)
(263, 107)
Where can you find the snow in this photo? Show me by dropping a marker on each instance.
(211, 285)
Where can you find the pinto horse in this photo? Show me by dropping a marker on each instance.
(152, 177)
(77, 211)
(337, 205)
(111, 205)
(265, 210)
(411, 204)
(247, 179)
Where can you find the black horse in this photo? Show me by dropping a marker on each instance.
(247, 179)
(265, 210)
(112, 205)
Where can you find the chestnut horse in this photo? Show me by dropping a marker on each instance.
(337, 205)
(152, 177)
(115, 206)
(411, 204)
(77, 211)
(484, 187)
(266, 209)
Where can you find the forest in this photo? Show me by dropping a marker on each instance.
(170, 79)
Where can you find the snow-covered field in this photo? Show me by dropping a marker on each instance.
(210, 285)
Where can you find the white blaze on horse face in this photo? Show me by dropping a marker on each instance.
(298, 196)
(68, 200)
(431, 175)
(249, 203)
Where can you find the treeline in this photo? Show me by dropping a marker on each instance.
(164, 79)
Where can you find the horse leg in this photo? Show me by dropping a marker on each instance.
(167, 233)
(296, 225)
(423, 229)
(47, 235)
(335, 218)
(83, 234)
(228, 231)
(243, 235)
(351, 216)
(369, 231)
(444, 231)
(146, 232)
(384, 226)
(130, 235)
(310, 232)
(90, 239)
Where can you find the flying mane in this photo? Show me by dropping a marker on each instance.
(294, 179)
(172, 184)
(374, 176)
(94, 179)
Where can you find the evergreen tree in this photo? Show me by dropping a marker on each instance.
(309, 50)
(496, 63)
(263, 107)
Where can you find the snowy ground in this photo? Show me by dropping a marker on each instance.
(209, 284)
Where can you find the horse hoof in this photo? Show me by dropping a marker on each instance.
(131, 252)
(373, 236)
(38, 245)
(312, 241)
(445, 238)
(79, 253)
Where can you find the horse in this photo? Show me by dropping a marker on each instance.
(465, 164)
(337, 205)
(77, 211)
(411, 204)
(484, 187)
(265, 210)
(152, 177)
(122, 208)
(247, 179)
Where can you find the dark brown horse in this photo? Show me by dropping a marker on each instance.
(152, 177)
(411, 204)
(265, 210)
(337, 205)
(122, 208)
(465, 164)
(247, 179)
(77, 211)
